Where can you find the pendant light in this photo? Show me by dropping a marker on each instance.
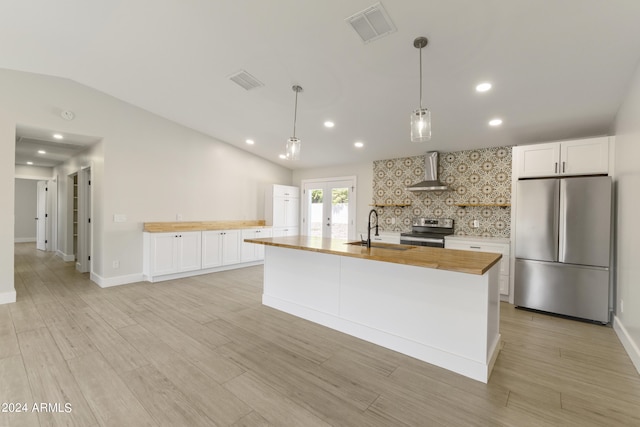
(420, 118)
(293, 143)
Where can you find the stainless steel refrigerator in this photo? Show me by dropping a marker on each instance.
(563, 245)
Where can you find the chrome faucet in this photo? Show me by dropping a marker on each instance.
(369, 227)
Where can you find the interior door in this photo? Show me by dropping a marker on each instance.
(329, 208)
(41, 219)
(84, 221)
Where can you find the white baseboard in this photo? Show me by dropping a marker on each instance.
(115, 281)
(192, 273)
(627, 342)
(133, 278)
(65, 257)
(24, 240)
(7, 297)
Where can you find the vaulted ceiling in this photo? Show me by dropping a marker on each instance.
(559, 69)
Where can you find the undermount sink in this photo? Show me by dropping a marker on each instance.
(391, 246)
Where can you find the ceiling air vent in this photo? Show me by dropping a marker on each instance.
(246, 80)
(372, 23)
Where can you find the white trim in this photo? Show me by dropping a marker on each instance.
(7, 297)
(24, 240)
(353, 202)
(192, 273)
(65, 257)
(337, 178)
(33, 177)
(115, 281)
(627, 342)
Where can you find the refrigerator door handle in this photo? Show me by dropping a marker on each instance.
(562, 221)
(555, 170)
(563, 164)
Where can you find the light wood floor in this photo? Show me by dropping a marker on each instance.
(203, 352)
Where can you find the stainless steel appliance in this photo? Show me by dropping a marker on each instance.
(430, 181)
(428, 232)
(563, 246)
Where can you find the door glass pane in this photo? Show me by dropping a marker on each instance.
(340, 213)
(315, 212)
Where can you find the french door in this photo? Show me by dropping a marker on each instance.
(329, 208)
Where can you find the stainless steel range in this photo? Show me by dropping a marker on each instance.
(428, 232)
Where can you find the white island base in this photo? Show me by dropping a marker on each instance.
(445, 318)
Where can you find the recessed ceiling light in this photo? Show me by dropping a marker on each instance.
(42, 152)
(250, 141)
(57, 136)
(483, 87)
(29, 163)
(495, 122)
(358, 144)
(329, 124)
(282, 156)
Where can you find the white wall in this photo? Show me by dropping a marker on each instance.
(26, 192)
(627, 176)
(146, 167)
(33, 172)
(7, 184)
(364, 178)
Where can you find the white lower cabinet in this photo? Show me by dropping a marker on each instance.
(170, 253)
(220, 247)
(251, 251)
(182, 254)
(484, 244)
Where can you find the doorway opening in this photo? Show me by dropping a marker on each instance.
(80, 229)
(329, 207)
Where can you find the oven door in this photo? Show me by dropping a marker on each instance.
(434, 242)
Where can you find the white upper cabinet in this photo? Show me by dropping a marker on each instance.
(285, 191)
(579, 157)
(585, 156)
(282, 206)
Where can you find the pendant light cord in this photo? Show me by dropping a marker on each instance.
(420, 78)
(295, 114)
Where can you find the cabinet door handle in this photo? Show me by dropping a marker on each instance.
(555, 170)
(563, 163)
(475, 247)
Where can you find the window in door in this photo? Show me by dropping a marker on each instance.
(329, 208)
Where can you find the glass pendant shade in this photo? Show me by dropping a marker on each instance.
(421, 125)
(293, 148)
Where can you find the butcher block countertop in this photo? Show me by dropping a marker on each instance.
(420, 256)
(169, 227)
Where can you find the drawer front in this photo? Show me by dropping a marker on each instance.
(485, 247)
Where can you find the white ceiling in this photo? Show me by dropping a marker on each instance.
(30, 140)
(560, 69)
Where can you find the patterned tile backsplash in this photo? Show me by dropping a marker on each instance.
(475, 176)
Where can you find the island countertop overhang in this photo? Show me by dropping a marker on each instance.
(420, 256)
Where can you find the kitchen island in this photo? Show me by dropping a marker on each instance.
(438, 305)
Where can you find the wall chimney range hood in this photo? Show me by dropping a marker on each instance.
(430, 182)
